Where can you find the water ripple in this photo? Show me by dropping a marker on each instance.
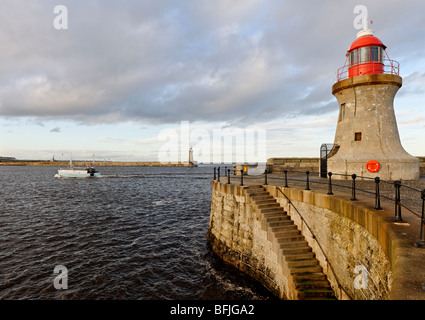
(135, 233)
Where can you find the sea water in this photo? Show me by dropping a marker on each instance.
(133, 233)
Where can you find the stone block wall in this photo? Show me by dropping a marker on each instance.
(278, 165)
(236, 235)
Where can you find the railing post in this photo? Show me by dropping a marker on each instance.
(225, 171)
(286, 178)
(242, 177)
(353, 187)
(265, 177)
(397, 204)
(218, 175)
(308, 180)
(377, 195)
(421, 242)
(228, 176)
(330, 183)
(215, 173)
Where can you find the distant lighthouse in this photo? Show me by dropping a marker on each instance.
(191, 160)
(367, 141)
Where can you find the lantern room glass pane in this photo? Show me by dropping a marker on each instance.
(364, 55)
(353, 57)
(375, 54)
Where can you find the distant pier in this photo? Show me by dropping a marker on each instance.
(80, 163)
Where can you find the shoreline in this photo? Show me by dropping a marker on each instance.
(98, 163)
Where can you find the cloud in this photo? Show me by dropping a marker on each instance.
(412, 121)
(55, 130)
(414, 83)
(197, 60)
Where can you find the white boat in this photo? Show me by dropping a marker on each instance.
(78, 172)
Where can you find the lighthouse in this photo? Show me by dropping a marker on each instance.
(367, 141)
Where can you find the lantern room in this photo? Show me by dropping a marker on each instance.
(367, 55)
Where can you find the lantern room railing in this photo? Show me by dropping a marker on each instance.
(386, 66)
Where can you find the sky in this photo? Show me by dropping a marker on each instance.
(127, 80)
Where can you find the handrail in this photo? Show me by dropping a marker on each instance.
(318, 243)
(388, 66)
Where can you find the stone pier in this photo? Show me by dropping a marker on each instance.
(307, 245)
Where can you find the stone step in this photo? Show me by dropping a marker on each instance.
(269, 213)
(262, 196)
(293, 244)
(272, 210)
(265, 201)
(275, 217)
(273, 214)
(269, 205)
(275, 220)
(309, 276)
(254, 188)
(286, 227)
(305, 294)
(280, 223)
(257, 192)
(254, 195)
(302, 263)
(310, 284)
(287, 233)
(261, 200)
(289, 238)
(299, 256)
(306, 269)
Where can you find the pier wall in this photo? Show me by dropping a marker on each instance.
(235, 234)
(358, 243)
(277, 165)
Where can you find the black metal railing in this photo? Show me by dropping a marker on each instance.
(353, 187)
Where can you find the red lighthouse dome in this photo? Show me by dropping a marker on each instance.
(367, 55)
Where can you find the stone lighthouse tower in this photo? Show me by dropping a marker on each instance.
(367, 141)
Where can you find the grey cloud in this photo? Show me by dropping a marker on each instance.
(161, 61)
(413, 83)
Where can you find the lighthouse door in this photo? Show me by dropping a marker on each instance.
(325, 149)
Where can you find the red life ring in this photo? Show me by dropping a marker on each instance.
(373, 166)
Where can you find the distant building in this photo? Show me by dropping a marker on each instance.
(7, 158)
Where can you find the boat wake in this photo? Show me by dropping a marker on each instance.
(105, 176)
